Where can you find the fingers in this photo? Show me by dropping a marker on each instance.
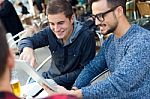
(28, 56)
(48, 90)
(32, 62)
(74, 88)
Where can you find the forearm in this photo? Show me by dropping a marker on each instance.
(68, 78)
(92, 69)
(95, 67)
(28, 49)
(24, 43)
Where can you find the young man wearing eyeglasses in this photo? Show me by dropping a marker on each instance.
(126, 53)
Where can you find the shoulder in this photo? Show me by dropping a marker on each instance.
(60, 96)
(7, 2)
(140, 34)
(108, 40)
(89, 28)
(7, 95)
(46, 30)
(82, 30)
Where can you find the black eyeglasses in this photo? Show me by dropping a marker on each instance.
(100, 16)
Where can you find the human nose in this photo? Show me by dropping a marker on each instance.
(97, 22)
(56, 28)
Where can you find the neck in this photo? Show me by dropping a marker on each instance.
(5, 82)
(122, 27)
(68, 35)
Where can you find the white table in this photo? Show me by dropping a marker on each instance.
(32, 89)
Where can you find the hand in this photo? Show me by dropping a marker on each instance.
(74, 88)
(28, 56)
(60, 90)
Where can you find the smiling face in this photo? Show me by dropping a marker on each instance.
(110, 22)
(61, 25)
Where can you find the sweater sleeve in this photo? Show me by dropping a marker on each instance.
(129, 73)
(95, 67)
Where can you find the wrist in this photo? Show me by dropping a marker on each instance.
(77, 93)
(27, 49)
(74, 88)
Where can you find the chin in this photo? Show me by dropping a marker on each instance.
(60, 37)
(105, 32)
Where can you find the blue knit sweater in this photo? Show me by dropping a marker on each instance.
(128, 59)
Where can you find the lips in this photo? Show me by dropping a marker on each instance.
(60, 33)
(102, 26)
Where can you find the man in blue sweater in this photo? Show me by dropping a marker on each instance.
(72, 44)
(126, 53)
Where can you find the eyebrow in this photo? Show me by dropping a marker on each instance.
(58, 22)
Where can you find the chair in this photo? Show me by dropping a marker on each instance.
(42, 65)
(13, 44)
(42, 62)
(131, 9)
(144, 11)
(44, 23)
(39, 68)
(99, 40)
(106, 72)
(27, 19)
(100, 77)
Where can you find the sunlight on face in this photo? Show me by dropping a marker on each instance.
(60, 25)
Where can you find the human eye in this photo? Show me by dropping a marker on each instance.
(93, 17)
(51, 23)
(60, 23)
(100, 15)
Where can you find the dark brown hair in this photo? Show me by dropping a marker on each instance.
(114, 3)
(4, 50)
(59, 6)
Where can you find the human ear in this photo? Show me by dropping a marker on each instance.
(119, 11)
(10, 59)
(72, 19)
